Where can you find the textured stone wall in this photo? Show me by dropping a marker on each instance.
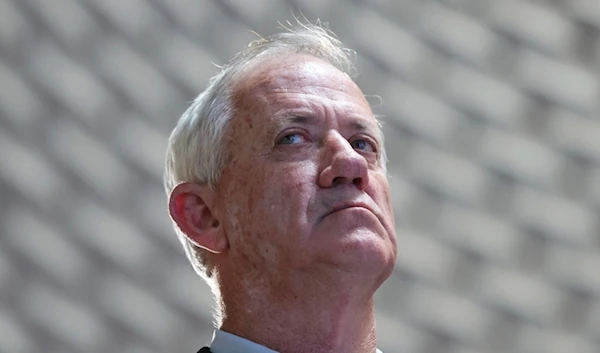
(493, 130)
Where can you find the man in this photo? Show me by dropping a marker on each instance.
(277, 185)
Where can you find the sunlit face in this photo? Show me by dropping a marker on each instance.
(305, 189)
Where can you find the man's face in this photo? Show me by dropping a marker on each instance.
(305, 189)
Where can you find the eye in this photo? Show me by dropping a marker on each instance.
(291, 139)
(363, 145)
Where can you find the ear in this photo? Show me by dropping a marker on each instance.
(190, 206)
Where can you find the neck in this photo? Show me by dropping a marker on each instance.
(302, 315)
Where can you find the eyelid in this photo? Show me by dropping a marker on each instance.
(290, 131)
(370, 139)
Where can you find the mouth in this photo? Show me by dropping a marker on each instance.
(349, 206)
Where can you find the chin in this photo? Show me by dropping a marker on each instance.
(363, 251)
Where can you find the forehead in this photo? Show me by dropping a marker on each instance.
(281, 71)
(300, 84)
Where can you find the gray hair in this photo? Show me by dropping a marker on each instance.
(196, 150)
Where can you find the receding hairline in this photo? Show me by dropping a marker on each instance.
(258, 75)
(256, 67)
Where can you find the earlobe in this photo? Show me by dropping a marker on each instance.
(191, 207)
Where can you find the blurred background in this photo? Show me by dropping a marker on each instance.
(493, 131)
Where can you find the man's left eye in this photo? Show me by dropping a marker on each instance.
(363, 145)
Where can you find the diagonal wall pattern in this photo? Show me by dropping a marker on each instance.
(492, 122)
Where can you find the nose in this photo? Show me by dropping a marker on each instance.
(343, 164)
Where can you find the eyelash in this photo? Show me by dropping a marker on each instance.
(303, 135)
(366, 140)
(290, 133)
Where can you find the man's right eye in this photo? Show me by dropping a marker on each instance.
(291, 139)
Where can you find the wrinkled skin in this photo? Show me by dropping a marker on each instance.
(304, 141)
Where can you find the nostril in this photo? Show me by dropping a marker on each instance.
(357, 181)
(337, 180)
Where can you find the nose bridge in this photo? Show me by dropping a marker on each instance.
(338, 146)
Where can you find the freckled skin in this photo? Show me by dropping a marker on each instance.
(273, 199)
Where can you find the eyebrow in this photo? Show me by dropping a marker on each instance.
(355, 123)
(298, 119)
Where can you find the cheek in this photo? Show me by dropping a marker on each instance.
(294, 187)
(252, 201)
(267, 201)
(382, 195)
(284, 200)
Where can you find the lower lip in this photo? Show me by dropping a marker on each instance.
(350, 208)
